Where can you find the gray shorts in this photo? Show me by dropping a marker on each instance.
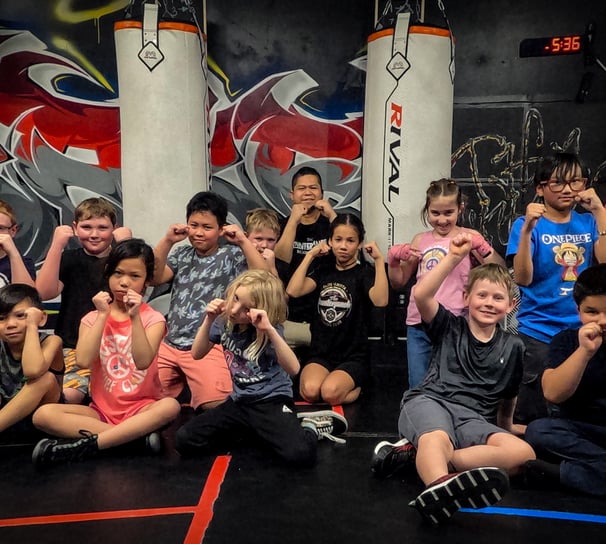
(423, 414)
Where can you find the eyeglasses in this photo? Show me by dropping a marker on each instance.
(557, 185)
(4, 228)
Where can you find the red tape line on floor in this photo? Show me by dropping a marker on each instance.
(203, 511)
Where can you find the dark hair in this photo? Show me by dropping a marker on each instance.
(207, 201)
(562, 165)
(442, 187)
(14, 293)
(130, 248)
(305, 171)
(591, 282)
(348, 219)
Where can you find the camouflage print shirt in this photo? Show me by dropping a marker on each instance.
(197, 280)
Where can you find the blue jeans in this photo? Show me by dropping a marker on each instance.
(581, 448)
(418, 354)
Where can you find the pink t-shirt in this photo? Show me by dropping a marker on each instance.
(450, 294)
(119, 390)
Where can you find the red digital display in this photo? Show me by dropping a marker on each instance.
(551, 46)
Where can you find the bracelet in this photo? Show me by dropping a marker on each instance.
(602, 233)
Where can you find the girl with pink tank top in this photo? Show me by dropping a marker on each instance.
(442, 211)
(119, 342)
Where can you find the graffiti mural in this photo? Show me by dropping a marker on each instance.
(60, 134)
(497, 175)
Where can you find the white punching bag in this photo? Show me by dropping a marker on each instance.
(163, 121)
(407, 126)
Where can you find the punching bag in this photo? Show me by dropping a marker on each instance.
(163, 120)
(407, 126)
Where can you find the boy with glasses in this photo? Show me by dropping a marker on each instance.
(14, 268)
(550, 246)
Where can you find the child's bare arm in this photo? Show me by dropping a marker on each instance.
(286, 357)
(48, 283)
(379, 292)
(429, 283)
(235, 235)
(299, 283)
(523, 269)
(19, 272)
(202, 345)
(89, 338)
(402, 262)
(38, 357)
(162, 273)
(284, 245)
(144, 342)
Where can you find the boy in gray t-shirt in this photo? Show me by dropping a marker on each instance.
(199, 272)
(458, 422)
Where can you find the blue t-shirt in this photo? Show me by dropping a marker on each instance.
(560, 252)
(197, 280)
(253, 380)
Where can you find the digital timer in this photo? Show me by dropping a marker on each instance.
(552, 46)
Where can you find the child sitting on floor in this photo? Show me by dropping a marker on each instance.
(119, 343)
(248, 324)
(458, 420)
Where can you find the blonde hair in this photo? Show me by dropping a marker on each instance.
(267, 293)
(494, 273)
(7, 209)
(93, 208)
(262, 218)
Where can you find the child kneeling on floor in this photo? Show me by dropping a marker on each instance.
(248, 324)
(458, 420)
(119, 342)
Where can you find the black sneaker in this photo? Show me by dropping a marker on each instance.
(475, 488)
(392, 458)
(64, 450)
(325, 423)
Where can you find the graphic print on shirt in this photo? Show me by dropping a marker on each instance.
(431, 257)
(569, 256)
(120, 370)
(334, 304)
(242, 369)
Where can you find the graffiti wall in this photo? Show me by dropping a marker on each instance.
(286, 86)
(277, 101)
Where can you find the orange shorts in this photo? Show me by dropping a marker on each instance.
(208, 379)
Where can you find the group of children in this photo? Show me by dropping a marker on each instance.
(280, 300)
(490, 402)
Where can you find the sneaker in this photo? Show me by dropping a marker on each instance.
(325, 423)
(153, 443)
(475, 488)
(392, 458)
(64, 450)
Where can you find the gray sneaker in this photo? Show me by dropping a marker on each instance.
(325, 423)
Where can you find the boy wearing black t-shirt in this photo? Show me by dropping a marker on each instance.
(306, 226)
(571, 445)
(458, 421)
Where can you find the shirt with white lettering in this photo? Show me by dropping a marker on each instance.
(560, 252)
